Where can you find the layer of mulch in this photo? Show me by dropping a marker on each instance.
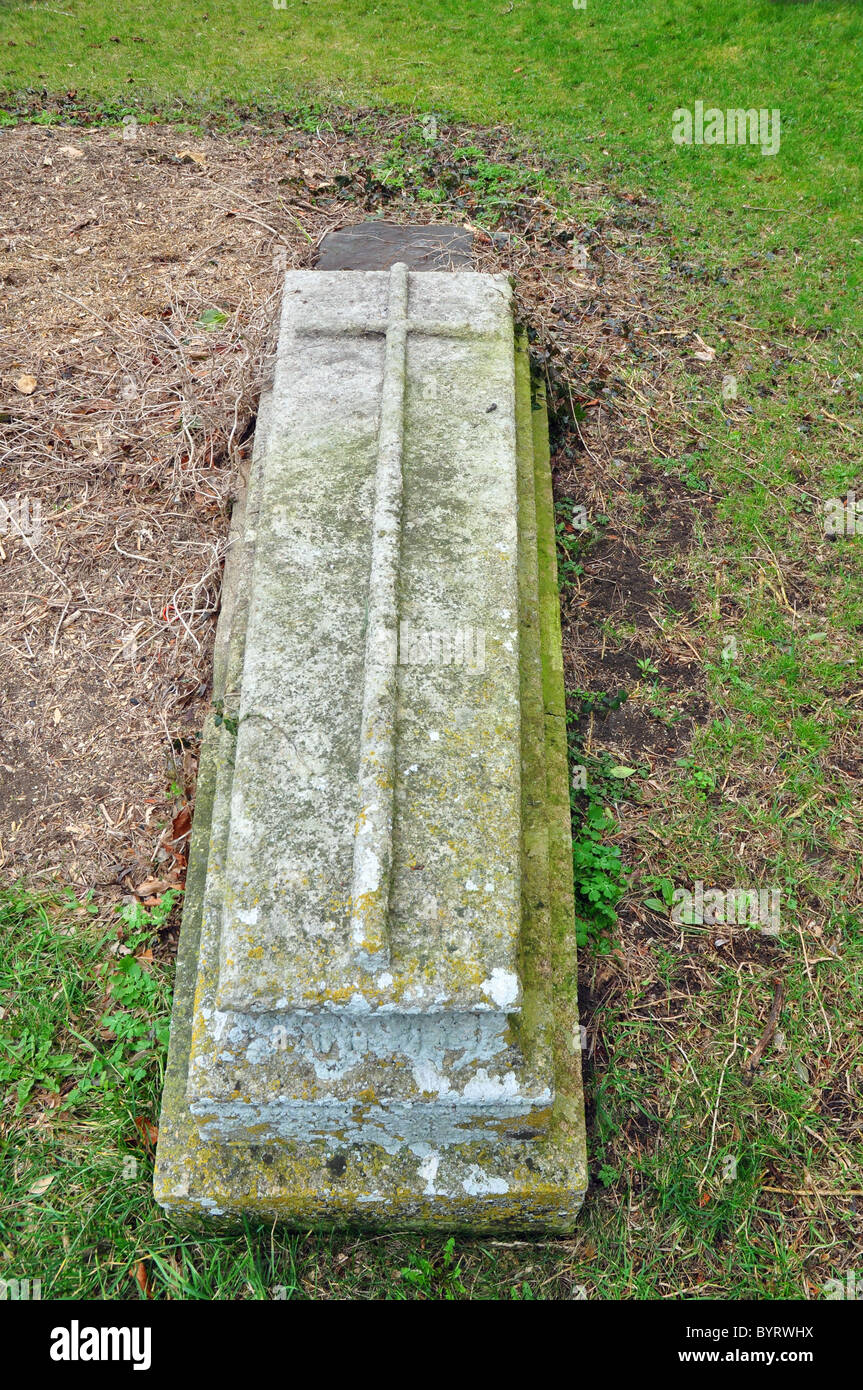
(139, 286)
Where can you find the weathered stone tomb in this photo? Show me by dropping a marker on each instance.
(375, 1016)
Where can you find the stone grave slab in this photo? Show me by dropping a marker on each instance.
(379, 245)
(375, 1015)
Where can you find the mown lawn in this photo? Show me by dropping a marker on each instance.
(708, 1181)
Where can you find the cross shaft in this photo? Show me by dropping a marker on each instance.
(373, 840)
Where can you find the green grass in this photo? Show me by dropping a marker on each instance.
(77, 1213)
(618, 68)
(706, 1186)
(599, 84)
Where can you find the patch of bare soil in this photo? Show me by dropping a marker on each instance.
(138, 292)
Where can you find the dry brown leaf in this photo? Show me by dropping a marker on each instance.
(26, 385)
(148, 1131)
(150, 886)
(707, 353)
(139, 1274)
(42, 1184)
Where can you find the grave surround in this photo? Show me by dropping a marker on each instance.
(375, 1016)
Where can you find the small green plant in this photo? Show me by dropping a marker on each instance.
(571, 538)
(599, 874)
(149, 919)
(595, 702)
(663, 887)
(699, 780)
(692, 472)
(602, 778)
(647, 666)
(568, 567)
(434, 1282)
(32, 1060)
(600, 879)
(660, 702)
(230, 721)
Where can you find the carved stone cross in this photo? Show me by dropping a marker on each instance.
(374, 828)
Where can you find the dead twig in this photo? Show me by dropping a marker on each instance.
(769, 1029)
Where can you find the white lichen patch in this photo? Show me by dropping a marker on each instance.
(428, 1172)
(502, 987)
(480, 1184)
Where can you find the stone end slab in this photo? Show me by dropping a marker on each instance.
(380, 245)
